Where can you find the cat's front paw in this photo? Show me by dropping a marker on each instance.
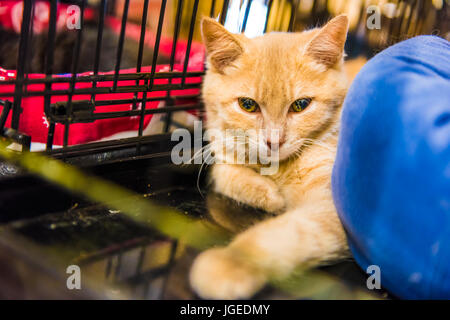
(274, 203)
(247, 186)
(260, 193)
(217, 274)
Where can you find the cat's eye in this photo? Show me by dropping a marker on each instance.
(248, 104)
(300, 104)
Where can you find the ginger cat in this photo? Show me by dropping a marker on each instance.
(294, 83)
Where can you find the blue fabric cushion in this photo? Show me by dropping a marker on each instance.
(391, 178)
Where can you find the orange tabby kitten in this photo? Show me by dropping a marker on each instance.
(293, 83)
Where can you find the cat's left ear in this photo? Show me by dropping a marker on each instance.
(222, 47)
(327, 46)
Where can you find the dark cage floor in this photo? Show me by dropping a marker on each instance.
(45, 229)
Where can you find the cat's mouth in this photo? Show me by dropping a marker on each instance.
(280, 153)
(252, 151)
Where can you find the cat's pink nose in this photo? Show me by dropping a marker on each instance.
(274, 145)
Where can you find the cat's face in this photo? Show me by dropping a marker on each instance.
(280, 88)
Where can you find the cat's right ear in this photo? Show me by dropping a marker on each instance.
(327, 47)
(222, 47)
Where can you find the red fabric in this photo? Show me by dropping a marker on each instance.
(33, 121)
